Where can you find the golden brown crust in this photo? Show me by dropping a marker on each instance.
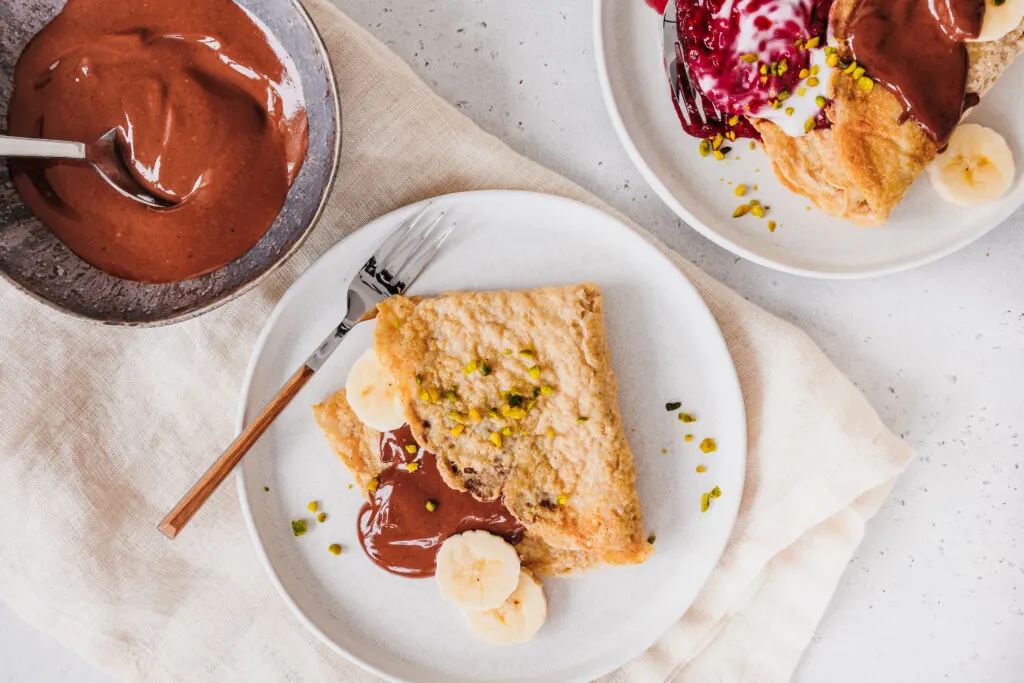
(863, 165)
(356, 445)
(358, 448)
(575, 485)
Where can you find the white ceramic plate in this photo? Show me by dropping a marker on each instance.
(922, 229)
(665, 346)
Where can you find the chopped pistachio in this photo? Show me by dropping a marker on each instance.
(474, 415)
(776, 104)
(832, 60)
(704, 148)
(783, 95)
(419, 380)
(664, 451)
(451, 395)
(717, 141)
(749, 58)
(412, 466)
(733, 120)
(815, 70)
(299, 527)
(799, 42)
(820, 101)
(850, 69)
(435, 395)
(804, 73)
(526, 353)
(757, 211)
(431, 506)
(546, 390)
(812, 42)
(582, 419)
(674, 405)
(809, 125)
(515, 400)
(507, 352)
(372, 486)
(514, 413)
(741, 210)
(731, 135)
(857, 73)
(350, 485)
(425, 396)
(739, 192)
(753, 145)
(485, 369)
(471, 366)
(455, 417)
(771, 226)
(764, 70)
(506, 431)
(715, 492)
(764, 79)
(562, 499)
(493, 412)
(701, 469)
(334, 549)
(457, 430)
(322, 517)
(830, 50)
(688, 438)
(783, 67)
(801, 91)
(812, 82)
(719, 154)
(267, 489)
(754, 202)
(708, 445)
(651, 539)
(313, 506)
(534, 372)
(865, 83)
(411, 448)
(496, 439)
(528, 406)
(789, 111)
(687, 417)
(705, 502)
(550, 431)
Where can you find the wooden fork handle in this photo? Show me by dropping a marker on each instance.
(176, 520)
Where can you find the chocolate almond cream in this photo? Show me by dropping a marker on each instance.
(209, 112)
(915, 48)
(396, 528)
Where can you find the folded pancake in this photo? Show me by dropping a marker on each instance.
(863, 165)
(514, 392)
(358, 448)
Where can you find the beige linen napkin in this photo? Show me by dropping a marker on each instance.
(101, 430)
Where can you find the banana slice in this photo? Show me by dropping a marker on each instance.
(976, 167)
(1000, 19)
(518, 619)
(477, 570)
(374, 400)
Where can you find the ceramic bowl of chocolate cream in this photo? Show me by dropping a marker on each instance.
(225, 110)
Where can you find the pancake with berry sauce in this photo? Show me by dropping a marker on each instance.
(852, 99)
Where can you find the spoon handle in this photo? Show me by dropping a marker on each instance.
(37, 147)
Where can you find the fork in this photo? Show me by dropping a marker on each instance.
(689, 98)
(391, 270)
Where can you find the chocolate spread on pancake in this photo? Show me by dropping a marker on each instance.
(395, 527)
(209, 112)
(915, 48)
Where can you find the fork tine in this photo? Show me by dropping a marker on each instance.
(414, 265)
(397, 238)
(698, 97)
(410, 247)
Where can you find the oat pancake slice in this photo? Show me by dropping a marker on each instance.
(514, 392)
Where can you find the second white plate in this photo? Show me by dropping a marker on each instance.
(665, 346)
(922, 229)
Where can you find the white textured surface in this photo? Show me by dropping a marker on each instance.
(937, 590)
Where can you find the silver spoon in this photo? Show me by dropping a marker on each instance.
(104, 155)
